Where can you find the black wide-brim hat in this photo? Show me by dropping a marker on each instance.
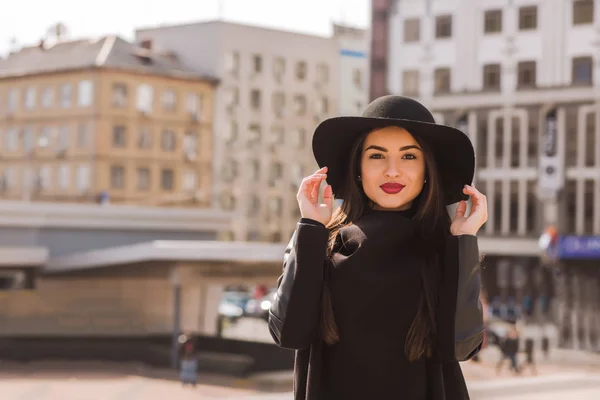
(453, 151)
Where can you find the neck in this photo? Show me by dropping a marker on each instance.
(404, 207)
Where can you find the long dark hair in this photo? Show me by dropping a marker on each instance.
(433, 227)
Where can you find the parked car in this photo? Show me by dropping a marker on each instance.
(233, 304)
(259, 308)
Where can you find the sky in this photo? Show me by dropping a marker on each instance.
(29, 20)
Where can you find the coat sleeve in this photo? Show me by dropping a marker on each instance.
(295, 312)
(468, 320)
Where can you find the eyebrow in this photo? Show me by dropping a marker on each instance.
(403, 148)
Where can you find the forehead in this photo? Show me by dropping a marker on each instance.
(393, 135)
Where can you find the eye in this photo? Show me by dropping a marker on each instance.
(376, 156)
(409, 156)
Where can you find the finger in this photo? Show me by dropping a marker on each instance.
(321, 171)
(461, 209)
(314, 194)
(328, 196)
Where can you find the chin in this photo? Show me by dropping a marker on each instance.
(392, 204)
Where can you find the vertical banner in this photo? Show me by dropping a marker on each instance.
(551, 174)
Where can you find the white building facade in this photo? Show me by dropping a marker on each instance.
(275, 87)
(353, 69)
(522, 79)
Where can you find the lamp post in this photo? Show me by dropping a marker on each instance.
(176, 284)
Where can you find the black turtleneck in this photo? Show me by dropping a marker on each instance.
(375, 284)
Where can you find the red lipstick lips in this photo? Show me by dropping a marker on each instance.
(392, 188)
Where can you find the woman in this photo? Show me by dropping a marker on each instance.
(381, 299)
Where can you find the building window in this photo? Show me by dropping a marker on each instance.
(12, 139)
(64, 176)
(301, 70)
(144, 138)
(166, 179)
(278, 104)
(13, 100)
(275, 174)
(190, 142)
(232, 63)
(44, 177)
(528, 18)
(193, 103)
(227, 201)
(526, 74)
(322, 73)
(84, 133)
(412, 30)
(83, 177)
(257, 64)
(117, 177)
(45, 137)
(118, 136)
(582, 71)
(491, 77)
(145, 98)
(232, 133)
(190, 180)
(143, 178)
(66, 92)
(492, 21)
(28, 139)
(119, 95)
(300, 104)
(167, 140)
(85, 93)
(64, 137)
(254, 133)
(443, 26)
(30, 98)
(583, 12)
(357, 78)
(299, 138)
(321, 105)
(279, 69)
(47, 97)
(169, 100)
(442, 80)
(410, 83)
(255, 99)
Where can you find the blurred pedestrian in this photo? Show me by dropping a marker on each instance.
(530, 356)
(381, 298)
(509, 348)
(188, 373)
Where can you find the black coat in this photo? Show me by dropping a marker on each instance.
(294, 318)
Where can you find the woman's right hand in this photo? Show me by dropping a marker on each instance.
(308, 198)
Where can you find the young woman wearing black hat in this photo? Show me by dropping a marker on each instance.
(381, 299)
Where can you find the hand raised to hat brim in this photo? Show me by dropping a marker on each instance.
(308, 198)
(470, 225)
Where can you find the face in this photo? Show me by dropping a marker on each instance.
(392, 168)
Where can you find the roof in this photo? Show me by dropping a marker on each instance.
(112, 216)
(106, 52)
(197, 251)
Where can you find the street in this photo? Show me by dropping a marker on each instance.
(573, 384)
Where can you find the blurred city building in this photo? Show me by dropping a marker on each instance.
(522, 79)
(276, 86)
(104, 120)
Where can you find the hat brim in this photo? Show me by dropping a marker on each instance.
(455, 157)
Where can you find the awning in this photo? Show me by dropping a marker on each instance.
(169, 250)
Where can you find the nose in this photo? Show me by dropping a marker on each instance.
(392, 170)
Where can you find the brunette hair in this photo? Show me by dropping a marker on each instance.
(433, 227)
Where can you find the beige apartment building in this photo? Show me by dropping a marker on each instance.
(104, 120)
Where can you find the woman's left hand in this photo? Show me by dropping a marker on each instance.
(462, 225)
